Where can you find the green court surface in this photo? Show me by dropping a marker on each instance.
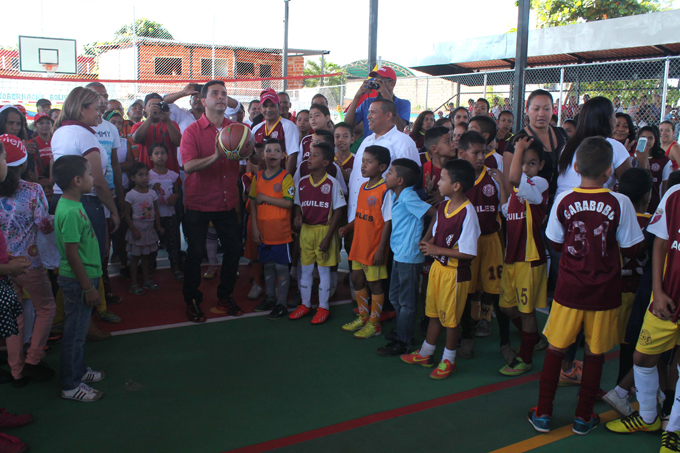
(243, 382)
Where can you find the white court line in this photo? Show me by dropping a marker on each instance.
(211, 320)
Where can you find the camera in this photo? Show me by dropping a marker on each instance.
(373, 85)
(163, 107)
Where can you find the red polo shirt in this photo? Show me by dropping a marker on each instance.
(214, 188)
(157, 133)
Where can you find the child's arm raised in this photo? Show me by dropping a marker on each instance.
(497, 176)
(515, 170)
(92, 298)
(379, 258)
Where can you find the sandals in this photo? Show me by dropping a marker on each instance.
(150, 285)
(179, 276)
(136, 290)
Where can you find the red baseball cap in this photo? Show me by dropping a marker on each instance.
(15, 149)
(21, 108)
(269, 95)
(40, 116)
(384, 71)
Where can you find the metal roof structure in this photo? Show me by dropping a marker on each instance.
(626, 38)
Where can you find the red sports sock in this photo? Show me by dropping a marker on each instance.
(550, 376)
(590, 385)
(526, 349)
(517, 322)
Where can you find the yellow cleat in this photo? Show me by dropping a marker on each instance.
(371, 329)
(633, 423)
(355, 325)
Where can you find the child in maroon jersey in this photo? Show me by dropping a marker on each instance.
(486, 126)
(524, 281)
(591, 225)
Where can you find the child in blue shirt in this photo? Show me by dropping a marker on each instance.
(408, 213)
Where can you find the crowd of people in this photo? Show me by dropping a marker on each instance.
(458, 217)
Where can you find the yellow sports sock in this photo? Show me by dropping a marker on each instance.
(377, 301)
(362, 301)
(485, 314)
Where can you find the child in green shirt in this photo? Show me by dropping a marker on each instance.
(79, 271)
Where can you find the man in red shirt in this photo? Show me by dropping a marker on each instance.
(210, 195)
(158, 127)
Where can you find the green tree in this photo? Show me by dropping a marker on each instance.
(145, 28)
(314, 68)
(552, 13)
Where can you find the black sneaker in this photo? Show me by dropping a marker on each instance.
(393, 349)
(39, 372)
(392, 336)
(266, 305)
(21, 382)
(194, 312)
(229, 306)
(125, 272)
(278, 312)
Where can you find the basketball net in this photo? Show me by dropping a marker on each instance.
(50, 69)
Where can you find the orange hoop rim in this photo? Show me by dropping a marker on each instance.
(50, 67)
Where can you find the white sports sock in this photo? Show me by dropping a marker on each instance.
(647, 383)
(427, 349)
(622, 393)
(674, 420)
(306, 280)
(449, 355)
(324, 286)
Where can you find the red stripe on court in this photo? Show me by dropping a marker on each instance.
(394, 413)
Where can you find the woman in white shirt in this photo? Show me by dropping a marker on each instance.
(596, 118)
(73, 135)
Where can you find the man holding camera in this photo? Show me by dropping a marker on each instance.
(383, 81)
(157, 128)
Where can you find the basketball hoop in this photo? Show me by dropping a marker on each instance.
(50, 69)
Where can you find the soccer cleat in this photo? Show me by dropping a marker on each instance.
(443, 370)
(540, 424)
(515, 368)
(393, 349)
(266, 305)
(465, 349)
(582, 427)
(255, 292)
(542, 344)
(194, 312)
(670, 442)
(279, 311)
(321, 316)
(83, 393)
(229, 307)
(10, 444)
(632, 423)
(300, 311)
(417, 359)
(212, 272)
(358, 323)
(8, 420)
(573, 377)
(92, 376)
(483, 328)
(386, 315)
(370, 329)
(620, 405)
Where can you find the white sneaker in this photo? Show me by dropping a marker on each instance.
(255, 292)
(93, 376)
(620, 405)
(83, 393)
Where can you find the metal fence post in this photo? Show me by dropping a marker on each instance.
(561, 99)
(486, 81)
(427, 91)
(136, 51)
(666, 72)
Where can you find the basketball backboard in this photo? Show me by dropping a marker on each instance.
(43, 54)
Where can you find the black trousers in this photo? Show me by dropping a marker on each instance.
(229, 232)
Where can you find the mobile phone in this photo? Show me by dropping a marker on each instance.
(641, 145)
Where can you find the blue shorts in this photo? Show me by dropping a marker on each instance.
(279, 253)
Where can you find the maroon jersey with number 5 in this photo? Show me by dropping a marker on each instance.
(592, 224)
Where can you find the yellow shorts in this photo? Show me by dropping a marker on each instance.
(446, 296)
(310, 238)
(624, 314)
(524, 287)
(373, 273)
(657, 336)
(565, 323)
(487, 266)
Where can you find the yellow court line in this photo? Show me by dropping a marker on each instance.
(552, 436)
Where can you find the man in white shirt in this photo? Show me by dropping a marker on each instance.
(381, 121)
(184, 117)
